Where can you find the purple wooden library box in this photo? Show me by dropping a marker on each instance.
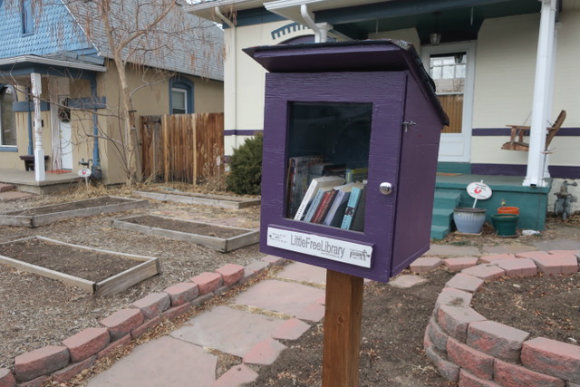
(351, 136)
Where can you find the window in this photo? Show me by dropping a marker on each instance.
(7, 121)
(180, 96)
(27, 20)
(178, 101)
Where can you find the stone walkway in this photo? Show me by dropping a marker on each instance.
(248, 327)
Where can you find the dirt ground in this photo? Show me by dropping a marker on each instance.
(38, 311)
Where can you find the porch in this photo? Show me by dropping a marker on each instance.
(25, 181)
(450, 193)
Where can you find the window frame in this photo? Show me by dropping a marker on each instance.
(9, 147)
(27, 17)
(184, 86)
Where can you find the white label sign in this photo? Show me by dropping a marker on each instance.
(319, 246)
(480, 191)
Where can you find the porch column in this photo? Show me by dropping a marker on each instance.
(542, 99)
(39, 174)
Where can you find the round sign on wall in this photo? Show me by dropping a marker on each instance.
(84, 172)
(479, 190)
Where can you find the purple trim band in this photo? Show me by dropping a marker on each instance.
(559, 171)
(506, 132)
(241, 132)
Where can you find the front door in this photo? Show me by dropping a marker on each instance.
(452, 68)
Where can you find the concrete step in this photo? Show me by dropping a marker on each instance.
(442, 216)
(439, 232)
(5, 187)
(14, 195)
(446, 199)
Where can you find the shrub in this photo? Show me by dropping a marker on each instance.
(246, 167)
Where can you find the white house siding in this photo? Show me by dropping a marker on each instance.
(245, 78)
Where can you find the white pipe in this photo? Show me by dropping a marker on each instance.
(309, 20)
(232, 95)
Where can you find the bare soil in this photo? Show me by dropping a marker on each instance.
(37, 311)
(545, 305)
(184, 226)
(90, 265)
(67, 206)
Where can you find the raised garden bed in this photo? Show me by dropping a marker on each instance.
(38, 216)
(204, 199)
(217, 237)
(97, 271)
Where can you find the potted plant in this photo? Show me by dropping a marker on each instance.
(470, 220)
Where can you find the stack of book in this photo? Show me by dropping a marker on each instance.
(330, 202)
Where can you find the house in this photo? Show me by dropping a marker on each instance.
(495, 63)
(60, 91)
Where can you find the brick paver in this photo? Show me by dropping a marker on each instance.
(507, 374)
(207, 282)
(498, 340)
(122, 322)
(436, 335)
(424, 265)
(39, 362)
(455, 320)
(153, 304)
(231, 273)
(556, 263)
(476, 362)
(453, 297)
(552, 357)
(495, 257)
(67, 373)
(465, 282)
(87, 343)
(484, 271)
(518, 267)
(6, 378)
(182, 292)
(467, 379)
(460, 263)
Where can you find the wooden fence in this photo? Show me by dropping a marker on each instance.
(182, 147)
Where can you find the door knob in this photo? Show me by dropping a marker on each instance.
(386, 188)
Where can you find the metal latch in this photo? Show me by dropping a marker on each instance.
(406, 124)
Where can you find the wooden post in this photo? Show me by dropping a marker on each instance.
(165, 146)
(342, 320)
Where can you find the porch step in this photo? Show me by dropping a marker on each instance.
(7, 187)
(14, 195)
(444, 203)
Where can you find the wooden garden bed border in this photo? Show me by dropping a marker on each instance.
(209, 200)
(148, 267)
(223, 245)
(6, 219)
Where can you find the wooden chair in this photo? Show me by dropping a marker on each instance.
(516, 141)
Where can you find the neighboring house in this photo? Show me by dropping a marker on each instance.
(494, 63)
(49, 49)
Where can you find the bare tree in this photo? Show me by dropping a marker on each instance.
(153, 38)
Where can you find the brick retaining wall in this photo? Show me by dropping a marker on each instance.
(470, 350)
(80, 351)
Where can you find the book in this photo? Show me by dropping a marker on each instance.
(336, 211)
(298, 180)
(339, 204)
(325, 203)
(356, 174)
(315, 203)
(355, 194)
(358, 219)
(315, 185)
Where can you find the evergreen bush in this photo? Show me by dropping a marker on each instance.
(245, 174)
